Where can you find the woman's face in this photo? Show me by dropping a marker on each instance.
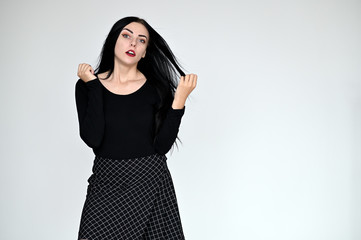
(132, 43)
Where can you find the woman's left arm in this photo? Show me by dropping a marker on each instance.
(170, 127)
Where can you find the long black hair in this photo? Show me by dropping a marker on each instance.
(159, 65)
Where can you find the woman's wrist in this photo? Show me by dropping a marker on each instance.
(178, 104)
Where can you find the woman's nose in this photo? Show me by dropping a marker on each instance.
(132, 43)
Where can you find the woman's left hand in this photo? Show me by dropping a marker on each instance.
(185, 87)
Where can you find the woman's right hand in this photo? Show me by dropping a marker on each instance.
(86, 72)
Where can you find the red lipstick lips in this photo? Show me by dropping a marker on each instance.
(130, 53)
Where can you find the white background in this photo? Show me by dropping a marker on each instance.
(271, 136)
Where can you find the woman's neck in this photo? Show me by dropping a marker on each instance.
(124, 73)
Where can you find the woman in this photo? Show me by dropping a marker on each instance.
(129, 111)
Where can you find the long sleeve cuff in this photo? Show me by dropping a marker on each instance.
(176, 112)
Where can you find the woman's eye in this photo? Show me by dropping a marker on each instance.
(125, 35)
(142, 40)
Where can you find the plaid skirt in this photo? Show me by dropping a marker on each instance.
(130, 199)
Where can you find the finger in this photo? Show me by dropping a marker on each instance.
(88, 68)
(188, 81)
(83, 67)
(195, 82)
(195, 77)
(191, 78)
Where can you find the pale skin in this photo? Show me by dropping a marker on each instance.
(126, 78)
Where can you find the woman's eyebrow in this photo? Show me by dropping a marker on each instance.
(132, 33)
(128, 30)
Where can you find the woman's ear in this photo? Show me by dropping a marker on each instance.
(144, 54)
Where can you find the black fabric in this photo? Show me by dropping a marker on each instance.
(130, 199)
(130, 193)
(122, 126)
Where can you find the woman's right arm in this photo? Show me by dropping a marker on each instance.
(89, 103)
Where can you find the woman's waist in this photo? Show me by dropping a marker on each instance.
(116, 157)
(126, 170)
(122, 152)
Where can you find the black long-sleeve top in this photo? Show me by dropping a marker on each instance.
(122, 126)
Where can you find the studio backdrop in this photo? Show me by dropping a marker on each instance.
(271, 136)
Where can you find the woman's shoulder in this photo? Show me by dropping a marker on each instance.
(151, 89)
(80, 85)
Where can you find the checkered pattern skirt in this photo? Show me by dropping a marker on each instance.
(130, 199)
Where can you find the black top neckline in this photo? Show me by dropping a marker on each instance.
(123, 95)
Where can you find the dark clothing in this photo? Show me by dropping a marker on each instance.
(130, 193)
(131, 199)
(122, 126)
